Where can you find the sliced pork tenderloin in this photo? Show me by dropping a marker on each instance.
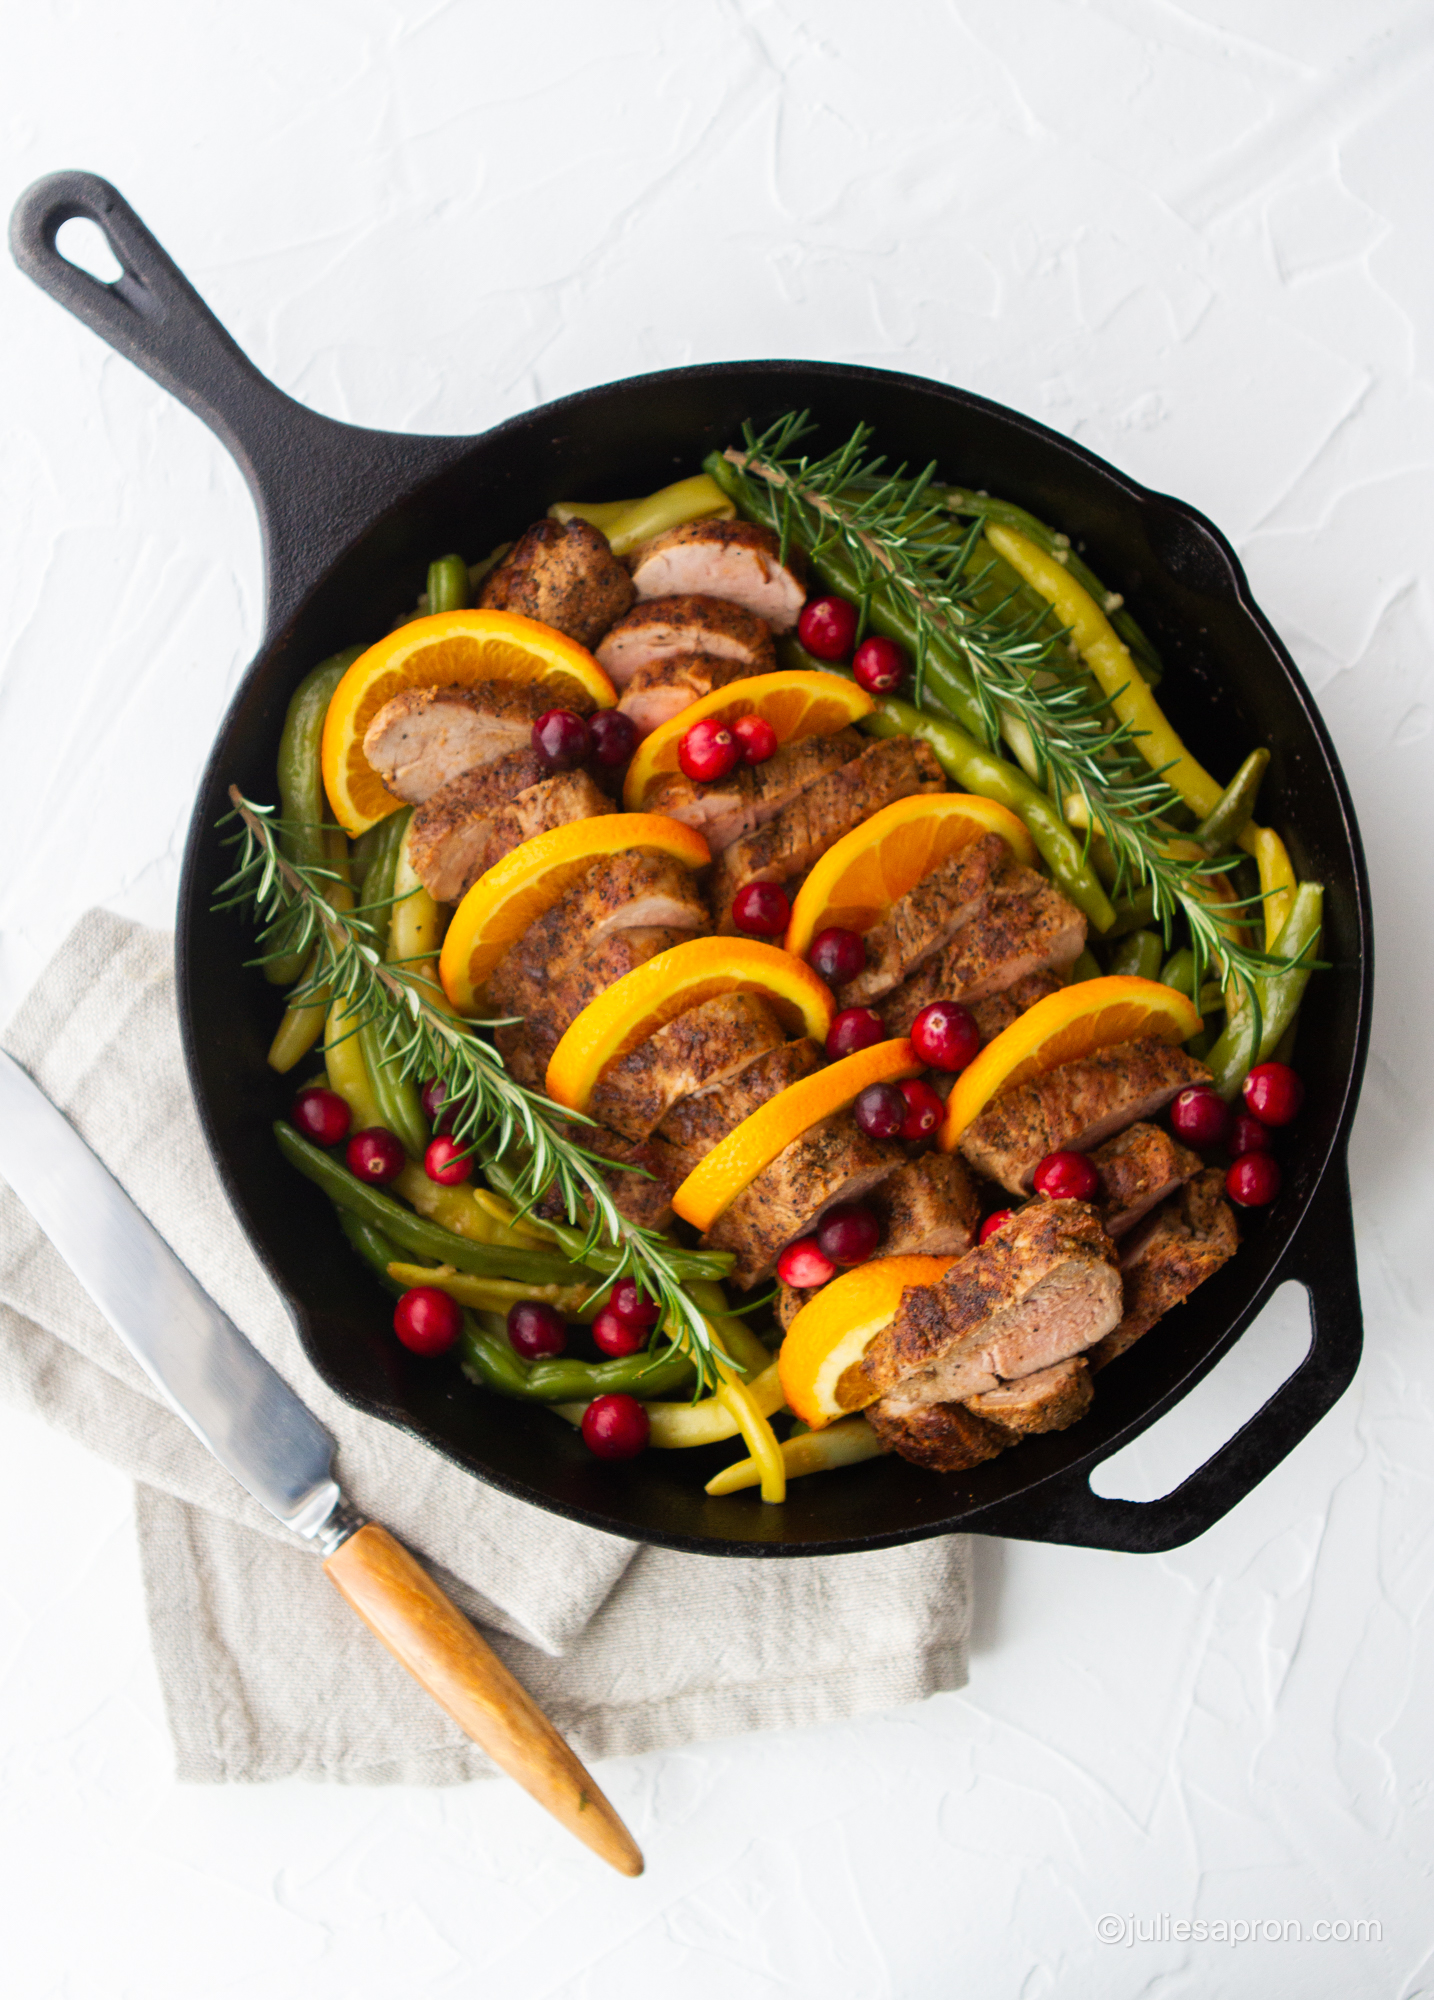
(953, 1437)
(1139, 1167)
(1050, 1400)
(698, 1122)
(736, 560)
(663, 628)
(928, 1208)
(1024, 927)
(1170, 1256)
(460, 832)
(656, 693)
(635, 890)
(547, 1009)
(832, 1161)
(641, 1179)
(997, 1011)
(753, 794)
(564, 575)
(925, 919)
(1075, 1108)
(426, 737)
(700, 1051)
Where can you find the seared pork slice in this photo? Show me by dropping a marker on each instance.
(641, 1180)
(930, 1208)
(698, 1122)
(1024, 927)
(790, 1300)
(832, 1161)
(1050, 1400)
(803, 831)
(635, 890)
(426, 737)
(753, 794)
(656, 693)
(996, 1013)
(1075, 1107)
(1176, 1250)
(737, 560)
(462, 830)
(564, 575)
(951, 1437)
(1044, 1287)
(1138, 1168)
(548, 1009)
(925, 919)
(661, 628)
(699, 1051)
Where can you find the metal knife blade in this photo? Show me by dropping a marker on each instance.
(214, 1377)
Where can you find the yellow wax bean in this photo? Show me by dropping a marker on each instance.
(507, 1217)
(348, 1072)
(490, 1294)
(298, 1030)
(761, 1439)
(844, 1443)
(679, 1426)
(629, 523)
(416, 926)
(1277, 878)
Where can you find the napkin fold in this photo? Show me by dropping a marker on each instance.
(265, 1672)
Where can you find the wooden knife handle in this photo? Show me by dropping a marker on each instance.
(427, 1633)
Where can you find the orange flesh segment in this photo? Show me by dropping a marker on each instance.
(1078, 1021)
(861, 875)
(449, 649)
(735, 1162)
(797, 704)
(651, 995)
(833, 1330)
(517, 890)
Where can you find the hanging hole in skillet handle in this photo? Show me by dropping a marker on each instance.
(84, 244)
(1064, 1509)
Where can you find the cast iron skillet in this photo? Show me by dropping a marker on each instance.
(350, 520)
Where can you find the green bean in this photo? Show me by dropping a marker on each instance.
(1132, 913)
(684, 1264)
(303, 807)
(1235, 1054)
(1087, 966)
(1138, 955)
(447, 584)
(412, 1232)
(487, 1358)
(397, 1098)
(1235, 808)
(372, 1245)
(1179, 971)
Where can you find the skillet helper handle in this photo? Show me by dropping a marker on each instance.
(427, 1633)
(1322, 1259)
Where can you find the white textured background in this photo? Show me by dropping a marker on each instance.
(1198, 238)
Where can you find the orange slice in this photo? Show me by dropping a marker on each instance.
(651, 995)
(451, 649)
(866, 871)
(517, 890)
(833, 1330)
(1062, 1028)
(735, 1162)
(796, 705)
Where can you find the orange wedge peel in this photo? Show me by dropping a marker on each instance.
(797, 704)
(527, 882)
(450, 649)
(870, 868)
(834, 1329)
(735, 1162)
(651, 995)
(1078, 1021)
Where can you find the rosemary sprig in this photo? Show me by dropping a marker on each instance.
(493, 1114)
(895, 534)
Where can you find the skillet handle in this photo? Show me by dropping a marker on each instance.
(316, 483)
(1064, 1509)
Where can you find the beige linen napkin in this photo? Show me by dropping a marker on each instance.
(265, 1673)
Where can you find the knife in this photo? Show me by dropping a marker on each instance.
(261, 1432)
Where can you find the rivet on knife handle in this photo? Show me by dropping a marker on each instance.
(428, 1634)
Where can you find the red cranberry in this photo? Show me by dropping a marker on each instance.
(617, 1336)
(708, 751)
(321, 1115)
(945, 1035)
(837, 955)
(755, 737)
(879, 666)
(762, 909)
(630, 1304)
(427, 1321)
(993, 1222)
(924, 1110)
(854, 1028)
(1248, 1135)
(1253, 1180)
(1066, 1177)
(880, 1111)
(562, 739)
(433, 1099)
(1273, 1093)
(447, 1162)
(803, 1266)
(615, 1426)
(614, 738)
(535, 1330)
(848, 1233)
(375, 1155)
(827, 628)
(1200, 1116)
